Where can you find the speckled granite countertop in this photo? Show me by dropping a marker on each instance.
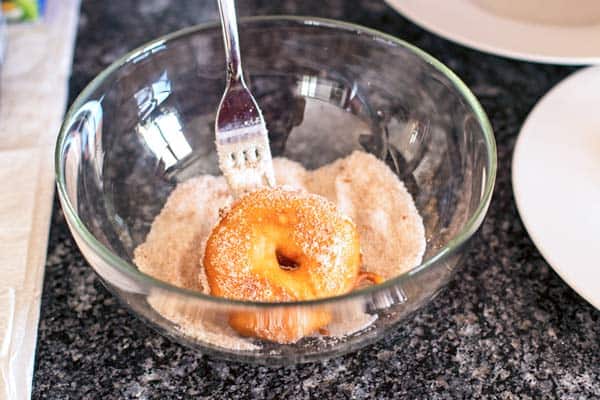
(507, 327)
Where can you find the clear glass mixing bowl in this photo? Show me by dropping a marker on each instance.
(326, 88)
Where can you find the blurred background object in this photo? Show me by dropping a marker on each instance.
(34, 86)
(2, 38)
(557, 32)
(23, 10)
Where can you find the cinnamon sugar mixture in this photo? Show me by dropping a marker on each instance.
(392, 236)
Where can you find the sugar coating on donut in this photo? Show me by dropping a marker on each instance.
(241, 253)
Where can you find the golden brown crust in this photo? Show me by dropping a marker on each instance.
(278, 245)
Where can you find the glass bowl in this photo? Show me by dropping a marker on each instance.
(326, 88)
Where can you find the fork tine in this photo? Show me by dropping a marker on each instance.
(241, 133)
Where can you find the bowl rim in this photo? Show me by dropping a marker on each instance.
(129, 269)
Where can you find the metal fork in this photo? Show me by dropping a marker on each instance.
(240, 129)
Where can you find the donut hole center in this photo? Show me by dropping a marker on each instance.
(286, 263)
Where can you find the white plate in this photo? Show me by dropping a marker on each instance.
(556, 180)
(467, 23)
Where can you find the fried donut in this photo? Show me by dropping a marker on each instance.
(281, 245)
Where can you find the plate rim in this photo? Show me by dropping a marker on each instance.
(407, 9)
(518, 150)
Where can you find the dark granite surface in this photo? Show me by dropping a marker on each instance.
(507, 326)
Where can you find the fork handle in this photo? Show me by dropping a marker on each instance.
(231, 39)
